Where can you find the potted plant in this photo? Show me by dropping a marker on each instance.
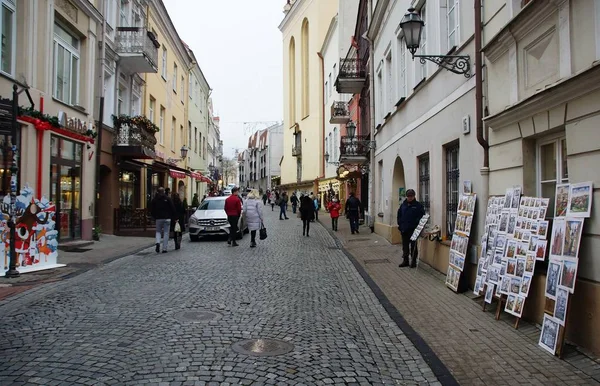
(96, 232)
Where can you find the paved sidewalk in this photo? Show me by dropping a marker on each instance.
(109, 248)
(477, 349)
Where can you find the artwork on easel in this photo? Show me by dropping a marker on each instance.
(460, 239)
(573, 203)
(419, 228)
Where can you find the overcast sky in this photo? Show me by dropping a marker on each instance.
(239, 49)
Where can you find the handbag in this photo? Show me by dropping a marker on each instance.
(177, 227)
(262, 233)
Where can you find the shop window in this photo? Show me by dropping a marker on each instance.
(6, 157)
(424, 181)
(128, 190)
(552, 168)
(452, 186)
(66, 65)
(8, 26)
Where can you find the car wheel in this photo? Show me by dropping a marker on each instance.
(194, 238)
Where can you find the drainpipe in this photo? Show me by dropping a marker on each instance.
(100, 119)
(40, 148)
(372, 128)
(485, 170)
(322, 123)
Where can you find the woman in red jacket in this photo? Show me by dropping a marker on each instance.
(334, 208)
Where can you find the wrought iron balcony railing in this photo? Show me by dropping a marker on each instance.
(134, 140)
(353, 73)
(339, 112)
(357, 146)
(137, 41)
(296, 151)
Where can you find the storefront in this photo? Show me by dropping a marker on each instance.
(65, 186)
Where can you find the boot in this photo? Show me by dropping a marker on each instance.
(157, 249)
(404, 262)
(253, 244)
(234, 244)
(413, 263)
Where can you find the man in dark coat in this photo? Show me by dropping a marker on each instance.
(163, 210)
(409, 215)
(353, 208)
(307, 214)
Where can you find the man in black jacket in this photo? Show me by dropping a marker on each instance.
(163, 211)
(353, 208)
(409, 215)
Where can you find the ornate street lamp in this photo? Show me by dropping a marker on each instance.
(412, 27)
(351, 129)
(184, 152)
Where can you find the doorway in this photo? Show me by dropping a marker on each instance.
(65, 186)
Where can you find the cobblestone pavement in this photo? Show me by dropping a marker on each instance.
(117, 324)
(477, 349)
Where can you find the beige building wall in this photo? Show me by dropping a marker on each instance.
(303, 87)
(544, 125)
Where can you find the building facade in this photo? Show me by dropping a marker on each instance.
(422, 118)
(543, 87)
(51, 47)
(304, 28)
(258, 165)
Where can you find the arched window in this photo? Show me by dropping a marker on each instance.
(305, 71)
(292, 87)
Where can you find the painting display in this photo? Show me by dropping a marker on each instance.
(37, 239)
(573, 205)
(460, 239)
(419, 228)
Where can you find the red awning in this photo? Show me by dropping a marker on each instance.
(176, 174)
(206, 179)
(196, 175)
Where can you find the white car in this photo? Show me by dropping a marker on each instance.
(227, 192)
(210, 219)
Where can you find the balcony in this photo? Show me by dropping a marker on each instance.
(339, 113)
(354, 149)
(134, 137)
(297, 151)
(353, 75)
(137, 49)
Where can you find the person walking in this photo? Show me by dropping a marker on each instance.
(334, 208)
(179, 217)
(163, 210)
(233, 209)
(317, 204)
(283, 200)
(409, 215)
(294, 201)
(264, 198)
(352, 210)
(254, 215)
(307, 213)
(272, 200)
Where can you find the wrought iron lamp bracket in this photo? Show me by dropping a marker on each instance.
(458, 64)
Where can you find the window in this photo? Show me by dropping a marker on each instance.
(204, 147)
(326, 88)
(552, 168)
(190, 89)
(151, 108)
(161, 126)
(423, 67)
(381, 192)
(335, 146)
(175, 78)
(120, 100)
(329, 88)
(173, 126)
(331, 145)
(164, 64)
(389, 82)
(402, 67)
(424, 181)
(379, 101)
(182, 88)
(305, 71)
(196, 140)
(66, 66)
(9, 34)
(124, 14)
(452, 186)
(199, 144)
(334, 72)
(292, 79)
(181, 135)
(453, 22)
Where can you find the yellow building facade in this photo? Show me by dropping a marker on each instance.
(304, 29)
(165, 104)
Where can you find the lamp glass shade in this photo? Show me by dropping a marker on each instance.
(412, 26)
(184, 151)
(351, 129)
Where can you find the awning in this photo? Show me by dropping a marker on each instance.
(206, 179)
(196, 175)
(176, 174)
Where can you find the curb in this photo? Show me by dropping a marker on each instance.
(440, 370)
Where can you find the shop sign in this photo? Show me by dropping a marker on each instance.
(37, 239)
(74, 124)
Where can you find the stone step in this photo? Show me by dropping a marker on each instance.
(71, 245)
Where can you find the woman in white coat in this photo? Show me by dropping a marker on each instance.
(253, 214)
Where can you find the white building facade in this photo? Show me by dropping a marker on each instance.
(422, 141)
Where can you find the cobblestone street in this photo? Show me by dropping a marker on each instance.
(132, 321)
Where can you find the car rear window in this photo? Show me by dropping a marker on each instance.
(212, 205)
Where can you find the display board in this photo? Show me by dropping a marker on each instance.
(36, 242)
(573, 203)
(460, 238)
(419, 228)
